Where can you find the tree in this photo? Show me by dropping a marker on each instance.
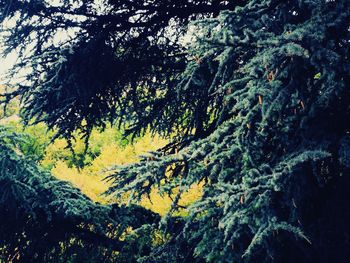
(275, 166)
(47, 220)
(259, 116)
(73, 50)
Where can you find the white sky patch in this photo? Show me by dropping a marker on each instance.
(6, 64)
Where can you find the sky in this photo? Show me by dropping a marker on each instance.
(6, 64)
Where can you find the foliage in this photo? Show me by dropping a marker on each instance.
(258, 119)
(78, 156)
(40, 146)
(90, 181)
(275, 75)
(74, 77)
(47, 220)
(90, 178)
(85, 170)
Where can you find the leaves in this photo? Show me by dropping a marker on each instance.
(249, 121)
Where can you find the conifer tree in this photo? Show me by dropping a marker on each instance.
(93, 62)
(47, 220)
(257, 107)
(274, 80)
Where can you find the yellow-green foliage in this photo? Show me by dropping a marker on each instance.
(90, 178)
(161, 204)
(85, 171)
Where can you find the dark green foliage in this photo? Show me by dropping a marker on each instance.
(261, 115)
(47, 220)
(116, 62)
(275, 77)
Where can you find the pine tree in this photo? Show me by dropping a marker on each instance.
(273, 78)
(90, 63)
(47, 220)
(257, 107)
